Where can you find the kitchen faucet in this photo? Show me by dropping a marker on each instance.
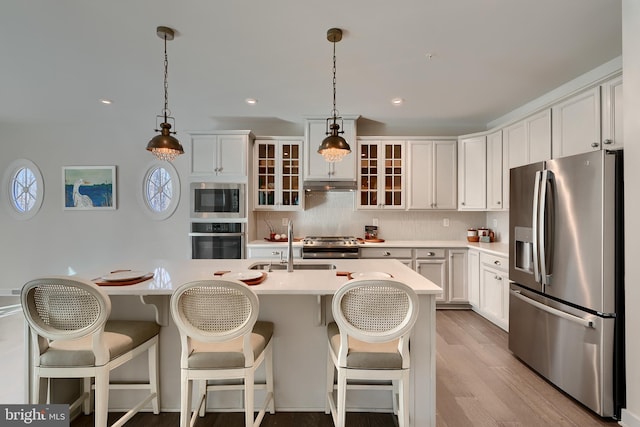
(290, 243)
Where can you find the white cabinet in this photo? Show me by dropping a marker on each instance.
(612, 133)
(458, 279)
(220, 156)
(432, 174)
(277, 174)
(524, 142)
(494, 171)
(576, 124)
(472, 173)
(404, 255)
(494, 289)
(279, 252)
(381, 177)
(447, 269)
(316, 168)
(473, 277)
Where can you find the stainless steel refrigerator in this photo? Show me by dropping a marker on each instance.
(566, 272)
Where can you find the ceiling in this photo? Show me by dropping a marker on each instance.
(457, 64)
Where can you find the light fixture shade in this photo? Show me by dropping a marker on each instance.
(165, 146)
(334, 148)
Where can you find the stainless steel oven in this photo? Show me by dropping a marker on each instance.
(210, 200)
(217, 240)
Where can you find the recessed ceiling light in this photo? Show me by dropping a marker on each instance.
(397, 101)
(106, 101)
(251, 101)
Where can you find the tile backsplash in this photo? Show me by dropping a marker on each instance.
(334, 214)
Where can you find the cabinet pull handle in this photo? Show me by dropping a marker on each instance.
(386, 253)
(607, 141)
(431, 254)
(595, 145)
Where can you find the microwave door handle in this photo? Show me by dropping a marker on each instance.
(534, 226)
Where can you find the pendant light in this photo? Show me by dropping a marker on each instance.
(334, 147)
(165, 146)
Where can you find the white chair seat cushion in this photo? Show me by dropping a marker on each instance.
(229, 354)
(120, 336)
(364, 355)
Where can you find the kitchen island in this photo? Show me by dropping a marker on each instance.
(299, 303)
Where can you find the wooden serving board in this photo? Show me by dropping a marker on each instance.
(100, 282)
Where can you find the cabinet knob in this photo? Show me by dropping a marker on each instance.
(431, 254)
(496, 262)
(607, 141)
(595, 145)
(498, 278)
(498, 202)
(462, 203)
(386, 253)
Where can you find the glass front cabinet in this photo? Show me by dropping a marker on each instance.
(277, 172)
(381, 177)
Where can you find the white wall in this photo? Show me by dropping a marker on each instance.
(631, 72)
(57, 241)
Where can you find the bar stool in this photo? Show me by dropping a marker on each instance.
(72, 338)
(368, 341)
(222, 340)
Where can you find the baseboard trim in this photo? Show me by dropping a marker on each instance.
(629, 419)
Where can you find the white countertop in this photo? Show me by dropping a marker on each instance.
(169, 274)
(498, 248)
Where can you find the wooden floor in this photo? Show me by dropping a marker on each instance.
(479, 383)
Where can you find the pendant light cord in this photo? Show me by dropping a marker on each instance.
(334, 112)
(166, 84)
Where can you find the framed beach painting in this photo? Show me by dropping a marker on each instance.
(89, 187)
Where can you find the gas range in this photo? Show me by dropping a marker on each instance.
(327, 247)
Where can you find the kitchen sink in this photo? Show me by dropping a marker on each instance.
(278, 266)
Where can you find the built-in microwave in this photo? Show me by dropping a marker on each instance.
(210, 200)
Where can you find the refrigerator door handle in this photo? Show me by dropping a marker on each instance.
(534, 226)
(554, 311)
(545, 276)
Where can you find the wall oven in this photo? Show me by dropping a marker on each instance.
(217, 240)
(210, 200)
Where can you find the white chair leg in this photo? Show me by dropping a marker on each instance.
(185, 399)
(39, 386)
(268, 366)
(154, 376)
(101, 397)
(329, 383)
(395, 395)
(341, 401)
(202, 391)
(403, 397)
(86, 388)
(249, 383)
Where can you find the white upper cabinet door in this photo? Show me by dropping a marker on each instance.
(576, 124)
(524, 142)
(472, 173)
(381, 178)
(612, 138)
(494, 171)
(316, 168)
(445, 170)
(432, 174)
(222, 157)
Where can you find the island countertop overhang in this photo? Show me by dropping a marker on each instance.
(170, 274)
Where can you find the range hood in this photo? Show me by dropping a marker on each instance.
(330, 186)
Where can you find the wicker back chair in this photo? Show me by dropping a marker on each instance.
(221, 340)
(72, 337)
(369, 340)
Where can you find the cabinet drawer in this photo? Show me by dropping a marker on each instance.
(495, 261)
(385, 253)
(430, 253)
